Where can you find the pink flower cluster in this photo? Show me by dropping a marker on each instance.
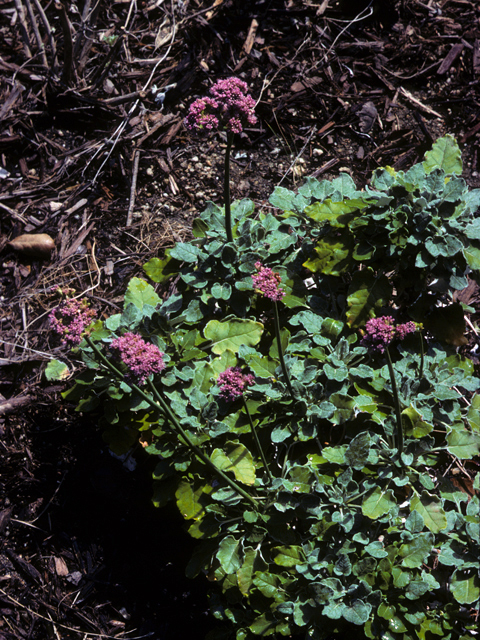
(380, 332)
(70, 320)
(267, 282)
(142, 358)
(233, 382)
(230, 108)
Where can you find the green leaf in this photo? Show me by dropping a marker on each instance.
(185, 252)
(264, 625)
(188, 500)
(262, 366)
(463, 444)
(140, 293)
(267, 583)
(161, 270)
(472, 256)
(228, 554)
(431, 509)
(336, 455)
(221, 291)
(416, 552)
(337, 214)
(465, 587)
(367, 294)
(378, 503)
(445, 154)
(357, 453)
(333, 255)
(236, 458)
(415, 522)
(288, 556)
(343, 186)
(56, 370)
(232, 334)
(283, 199)
(413, 424)
(245, 573)
(358, 612)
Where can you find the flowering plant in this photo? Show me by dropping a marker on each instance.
(305, 437)
(231, 108)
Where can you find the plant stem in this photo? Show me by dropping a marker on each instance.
(226, 188)
(396, 402)
(257, 441)
(422, 355)
(173, 421)
(280, 350)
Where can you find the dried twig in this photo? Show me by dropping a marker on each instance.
(23, 28)
(36, 33)
(68, 70)
(48, 29)
(133, 188)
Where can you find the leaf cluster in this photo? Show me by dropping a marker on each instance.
(343, 530)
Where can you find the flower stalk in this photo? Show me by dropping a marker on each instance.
(257, 441)
(226, 188)
(280, 349)
(396, 401)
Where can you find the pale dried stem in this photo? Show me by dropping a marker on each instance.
(23, 28)
(36, 33)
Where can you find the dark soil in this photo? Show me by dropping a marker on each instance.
(341, 86)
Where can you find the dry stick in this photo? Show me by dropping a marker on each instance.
(36, 33)
(299, 155)
(23, 28)
(48, 29)
(133, 188)
(68, 44)
(112, 141)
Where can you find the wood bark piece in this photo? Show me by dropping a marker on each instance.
(450, 58)
(11, 405)
(476, 56)
(252, 32)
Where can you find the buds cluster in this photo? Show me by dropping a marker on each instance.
(70, 320)
(233, 382)
(380, 332)
(230, 108)
(267, 282)
(141, 358)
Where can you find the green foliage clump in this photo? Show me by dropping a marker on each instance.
(310, 516)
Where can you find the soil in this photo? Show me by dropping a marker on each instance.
(94, 156)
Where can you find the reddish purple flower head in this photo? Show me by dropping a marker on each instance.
(380, 332)
(142, 358)
(267, 282)
(233, 382)
(230, 108)
(70, 320)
